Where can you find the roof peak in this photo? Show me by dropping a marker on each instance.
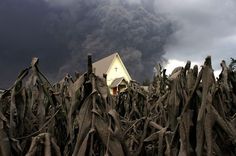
(101, 66)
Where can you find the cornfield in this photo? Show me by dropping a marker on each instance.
(187, 113)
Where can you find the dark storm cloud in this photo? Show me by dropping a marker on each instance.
(23, 34)
(105, 26)
(62, 32)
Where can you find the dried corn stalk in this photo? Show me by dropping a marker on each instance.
(186, 113)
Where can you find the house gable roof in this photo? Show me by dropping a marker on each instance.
(122, 64)
(117, 82)
(102, 66)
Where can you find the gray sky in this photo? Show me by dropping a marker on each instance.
(205, 27)
(62, 32)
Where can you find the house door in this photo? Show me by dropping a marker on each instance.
(114, 90)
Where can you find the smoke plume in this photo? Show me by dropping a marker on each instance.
(62, 32)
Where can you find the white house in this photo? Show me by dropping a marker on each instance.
(117, 75)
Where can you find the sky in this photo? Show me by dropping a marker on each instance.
(145, 32)
(205, 27)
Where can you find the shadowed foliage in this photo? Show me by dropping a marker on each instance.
(187, 113)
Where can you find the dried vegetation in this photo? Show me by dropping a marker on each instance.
(187, 113)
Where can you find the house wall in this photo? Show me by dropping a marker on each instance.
(116, 70)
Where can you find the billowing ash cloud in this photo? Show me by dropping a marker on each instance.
(104, 26)
(62, 32)
(23, 34)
